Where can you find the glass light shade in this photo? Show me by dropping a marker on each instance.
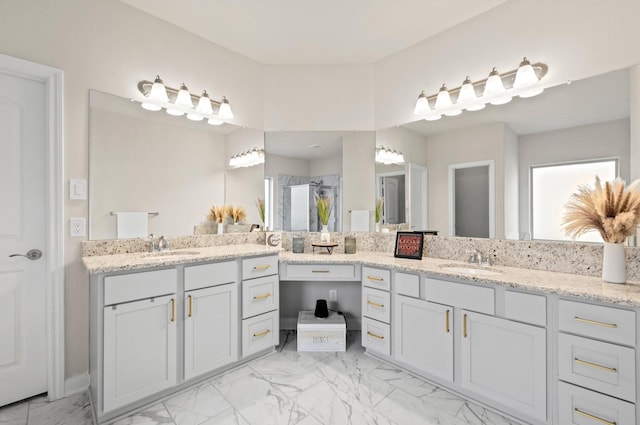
(158, 92)
(525, 76)
(183, 99)
(493, 85)
(213, 121)
(467, 94)
(422, 105)
(444, 99)
(225, 109)
(204, 104)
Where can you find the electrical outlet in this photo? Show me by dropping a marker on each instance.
(333, 295)
(77, 227)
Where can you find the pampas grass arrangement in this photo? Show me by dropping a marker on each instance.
(379, 205)
(238, 214)
(613, 210)
(218, 214)
(260, 205)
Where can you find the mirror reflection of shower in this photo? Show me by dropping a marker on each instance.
(298, 211)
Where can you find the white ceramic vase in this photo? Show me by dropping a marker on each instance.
(220, 228)
(325, 237)
(614, 268)
(377, 227)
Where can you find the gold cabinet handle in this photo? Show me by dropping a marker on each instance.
(595, 322)
(595, 365)
(446, 320)
(190, 306)
(261, 333)
(173, 309)
(319, 271)
(464, 326)
(593, 418)
(375, 304)
(375, 335)
(376, 279)
(262, 297)
(263, 267)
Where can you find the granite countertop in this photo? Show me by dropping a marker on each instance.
(546, 282)
(144, 260)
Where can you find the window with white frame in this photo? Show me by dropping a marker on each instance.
(551, 187)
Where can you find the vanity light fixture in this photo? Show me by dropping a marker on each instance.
(496, 89)
(247, 158)
(178, 102)
(386, 155)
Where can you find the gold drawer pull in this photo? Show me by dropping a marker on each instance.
(464, 326)
(173, 309)
(262, 297)
(593, 418)
(446, 320)
(261, 333)
(595, 322)
(375, 304)
(190, 306)
(375, 335)
(319, 271)
(377, 279)
(264, 267)
(595, 365)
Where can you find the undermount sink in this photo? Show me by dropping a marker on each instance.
(470, 269)
(170, 253)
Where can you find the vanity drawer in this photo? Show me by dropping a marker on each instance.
(600, 366)
(206, 275)
(260, 332)
(259, 266)
(376, 278)
(578, 406)
(605, 323)
(137, 286)
(407, 284)
(376, 304)
(259, 296)
(467, 297)
(340, 272)
(527, 308)
(376, 336)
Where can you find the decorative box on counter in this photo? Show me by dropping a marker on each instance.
(326, 334)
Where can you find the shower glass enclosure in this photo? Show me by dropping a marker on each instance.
(297, 210)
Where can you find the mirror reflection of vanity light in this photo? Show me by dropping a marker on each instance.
(496, 89)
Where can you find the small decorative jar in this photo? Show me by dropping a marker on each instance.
(349, 245)
(298, 245)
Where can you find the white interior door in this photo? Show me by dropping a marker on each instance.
(417, 195)
(23, 214)
(391, 205)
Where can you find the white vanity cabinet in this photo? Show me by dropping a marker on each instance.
(505, 361)
(376, 310)
(260, 304)
(139, 317)
(210, 317)
(596, 364)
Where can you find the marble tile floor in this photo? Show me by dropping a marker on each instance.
(286, 388)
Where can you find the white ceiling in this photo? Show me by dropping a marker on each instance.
(309, 145)
(313, 31)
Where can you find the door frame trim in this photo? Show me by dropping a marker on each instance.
(52, 78)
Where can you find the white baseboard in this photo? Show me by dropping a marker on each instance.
(76, 384)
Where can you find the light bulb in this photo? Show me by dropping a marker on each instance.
(151, 106)
(158, 92)
(525, 76)
(213, 121)
(204, 104)
(444, 99)
(432, 117)
(422, 105)
(183, 99)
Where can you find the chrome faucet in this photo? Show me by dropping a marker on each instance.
(477, 257)
(163, 244)
(152, 243)
(474, 255)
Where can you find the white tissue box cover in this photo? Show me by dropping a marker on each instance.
(316, 334)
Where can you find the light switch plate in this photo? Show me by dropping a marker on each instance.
(77, 227)
(77, 189)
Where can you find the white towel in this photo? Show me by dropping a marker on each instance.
(132, 225)
(360, 220)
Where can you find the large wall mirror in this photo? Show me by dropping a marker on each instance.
(330, 164)
(170, 167)
(577, 122)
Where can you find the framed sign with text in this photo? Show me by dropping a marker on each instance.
(409, 245)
